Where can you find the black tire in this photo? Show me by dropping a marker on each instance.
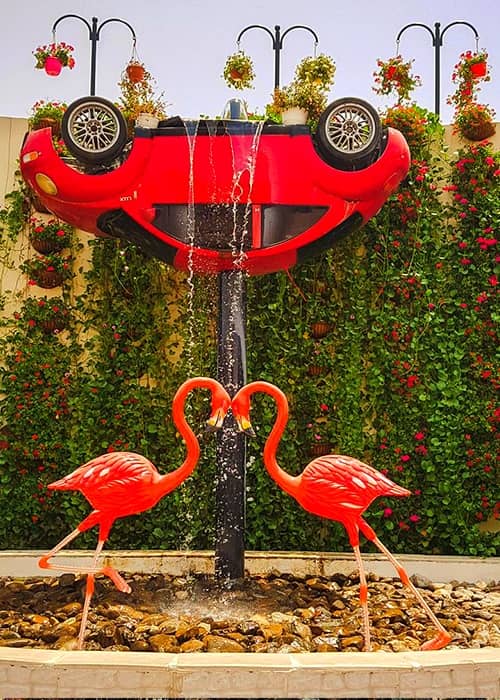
(349, 134)
(94, 130)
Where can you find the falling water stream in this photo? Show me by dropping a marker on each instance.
(244, 139)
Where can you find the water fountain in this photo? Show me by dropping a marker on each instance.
(222, 197)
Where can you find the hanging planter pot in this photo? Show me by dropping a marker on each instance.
(48, 279)
(316, 370)
(319, 329)
(45, 247)
(52, 325)
(479, 70)
(318, 449)
(135, 72)
(53, 66)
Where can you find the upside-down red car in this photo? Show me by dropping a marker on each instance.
(214, 195)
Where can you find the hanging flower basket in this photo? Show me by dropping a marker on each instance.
(319, 329)
(49, 315)
(49, 236)
(395, 76)
(54, 57)
(238, 71)
(47, 271)
(475, 122)
(47, 114)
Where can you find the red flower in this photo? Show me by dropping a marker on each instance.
(419, 436)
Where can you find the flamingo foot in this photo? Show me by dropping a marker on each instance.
(119, 582)
(439, 642)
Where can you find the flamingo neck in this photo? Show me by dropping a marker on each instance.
(284, 480)
(170, 481)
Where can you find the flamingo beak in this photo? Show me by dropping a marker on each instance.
(244, 426)
(215, 421)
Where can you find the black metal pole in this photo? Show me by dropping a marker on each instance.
(437, 42)
(277, 39)
(277, 45)
(94, 38)
(231, 447)
(94, 32)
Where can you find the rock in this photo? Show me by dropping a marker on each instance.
(192, 645)
(164, 642)
(325, 643)
(222, 644)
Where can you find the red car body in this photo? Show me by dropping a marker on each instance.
(224, 198)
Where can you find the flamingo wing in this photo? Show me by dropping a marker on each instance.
(336, 483)
(114, 481)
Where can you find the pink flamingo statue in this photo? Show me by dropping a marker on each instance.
(117, 484)
(335, 487)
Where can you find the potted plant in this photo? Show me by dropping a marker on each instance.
(49, 236)
(139, 102)
(47, 271)
(395, 76)
(54, 57)
(305, 98)
(47, 114)
(238, 71)
(475, 121)
(49, 315)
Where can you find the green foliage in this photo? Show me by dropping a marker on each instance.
(405, 379)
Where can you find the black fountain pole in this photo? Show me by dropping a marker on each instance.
(94, 36)
(437, 41)
(231, 372)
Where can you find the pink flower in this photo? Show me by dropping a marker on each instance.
(414, 518)
(387, 512)
(405, 458)
(419, 436)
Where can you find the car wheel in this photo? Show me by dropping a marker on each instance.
(94, 130)
(349, 134)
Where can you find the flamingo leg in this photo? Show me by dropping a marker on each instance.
(108, 571)
(443, 637)
(89, 591)
(363, 597)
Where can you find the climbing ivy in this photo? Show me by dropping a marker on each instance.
(404, 379)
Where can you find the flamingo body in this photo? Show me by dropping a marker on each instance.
(336, 487)
(117, 484)
(341, 488)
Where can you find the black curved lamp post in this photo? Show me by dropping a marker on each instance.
(94, 36)
(437, 41)
(277, 39)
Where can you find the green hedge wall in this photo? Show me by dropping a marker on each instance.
(406, 377)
